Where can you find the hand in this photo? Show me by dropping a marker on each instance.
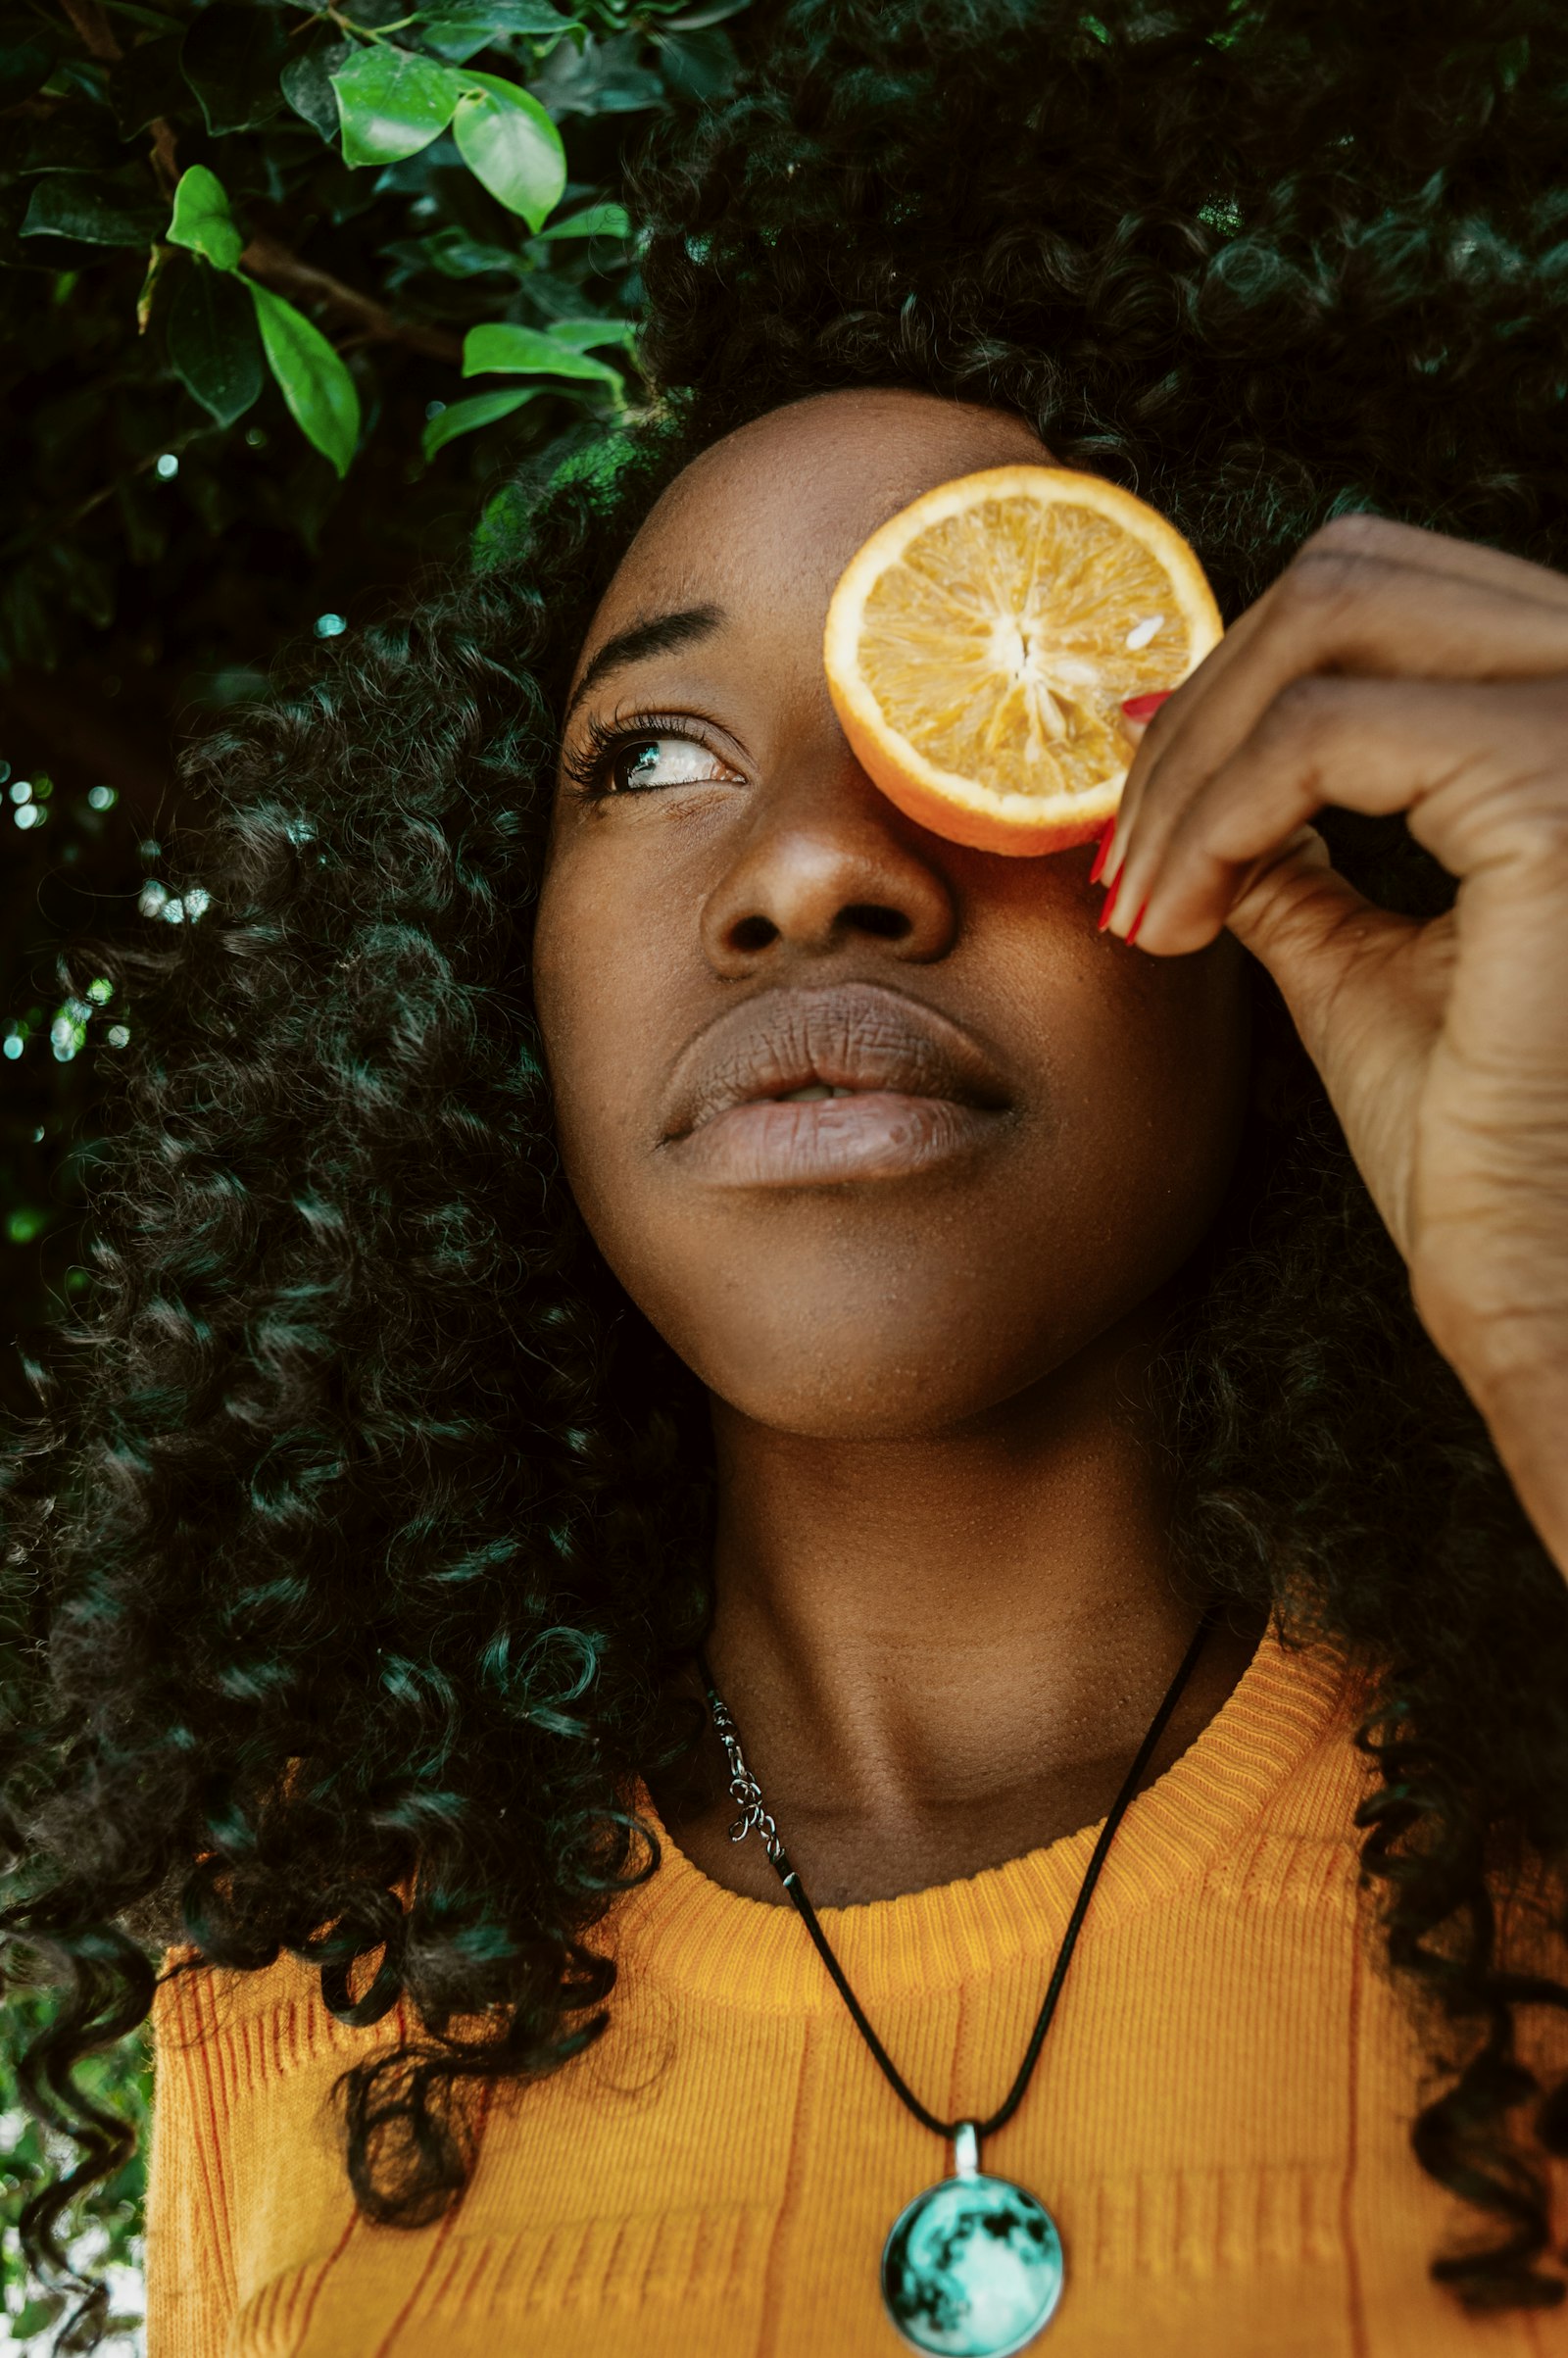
(1391, 670)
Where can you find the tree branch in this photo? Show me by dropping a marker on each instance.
(165, 162)
(270, 261)
(94, 30)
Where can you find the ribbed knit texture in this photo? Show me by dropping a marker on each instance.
(1220, 2120)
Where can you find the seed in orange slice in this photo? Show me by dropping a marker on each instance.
(980, 647)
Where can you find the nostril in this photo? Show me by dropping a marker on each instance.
(872, 916)
(754, 933)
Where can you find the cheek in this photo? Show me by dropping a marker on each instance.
(895, 1309)
(611, 976)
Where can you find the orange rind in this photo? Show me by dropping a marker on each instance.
(982, 643)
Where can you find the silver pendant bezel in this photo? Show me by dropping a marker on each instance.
(974, 2177)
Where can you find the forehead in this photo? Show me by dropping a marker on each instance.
(766, 520)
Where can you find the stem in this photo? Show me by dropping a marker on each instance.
(94, 30)
(369, 322)
(367, 32)
(156, 260)
(165, 164)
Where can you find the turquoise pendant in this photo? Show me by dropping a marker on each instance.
(972, 2268)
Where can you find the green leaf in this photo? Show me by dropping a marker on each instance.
(506, 20)
(203, 220)
(699, 66)
(464, 416)
(586, 336)
(457, 38)
(212, 343)
(36, 2316)
(597, 465)
(594, 220)
(232, 57)
(392, 103)
(151, 19)
(510, 145)
(66, 138)
(315, 383)
(456, 255)
(709, 11)
(305, 81)
(102, 211)
(460, 33)
(500, 350)
(602, 78)
(501, 532)
(29, 56)
(148, 83)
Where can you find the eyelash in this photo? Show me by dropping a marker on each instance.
(587, 767)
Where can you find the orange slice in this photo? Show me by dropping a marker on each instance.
(980, 647)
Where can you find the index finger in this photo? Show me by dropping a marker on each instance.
(1464, 614)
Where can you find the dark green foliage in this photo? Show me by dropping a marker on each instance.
(210, 445)
(212, 343)
(119, 2080)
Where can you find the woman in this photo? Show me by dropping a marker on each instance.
(480, 1336)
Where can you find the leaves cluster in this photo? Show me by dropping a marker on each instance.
(243, 216)
(286, 295)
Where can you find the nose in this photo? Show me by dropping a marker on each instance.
(827, 862)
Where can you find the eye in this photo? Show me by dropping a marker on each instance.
(640, 754)
(640, 762)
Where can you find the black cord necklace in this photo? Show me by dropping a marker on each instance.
(973, 2267)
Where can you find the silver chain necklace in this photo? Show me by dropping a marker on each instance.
(973, 2267)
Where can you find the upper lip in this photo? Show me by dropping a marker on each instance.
(847, 1035)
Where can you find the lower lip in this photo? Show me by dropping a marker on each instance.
(829, 1140)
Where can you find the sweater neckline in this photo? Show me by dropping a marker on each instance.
(684, 1931)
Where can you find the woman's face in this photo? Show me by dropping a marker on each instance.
(1038, 1121)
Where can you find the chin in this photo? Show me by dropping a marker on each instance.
(831, 1368)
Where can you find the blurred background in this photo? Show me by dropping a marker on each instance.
(288, 298)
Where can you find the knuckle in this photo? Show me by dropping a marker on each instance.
(1539, 830)
(1304, 707)
(1322, 583)
(1358, 535)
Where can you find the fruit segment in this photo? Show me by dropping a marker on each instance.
(981, 646)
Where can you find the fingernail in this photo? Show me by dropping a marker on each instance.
(1109, 905)
(1103, 849)
(1143, 708)
(1132, 930)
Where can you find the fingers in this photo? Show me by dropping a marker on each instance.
(1481, 770)
(1364, 598)
(1364, 1007)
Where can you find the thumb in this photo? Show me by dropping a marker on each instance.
(1344, 970)
(1316, 935)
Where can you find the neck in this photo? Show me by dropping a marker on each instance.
(942, 1651)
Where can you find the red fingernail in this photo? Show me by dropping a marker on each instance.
(1109, 905)
(1143, 708)
(1102, 851)
(1132, 930)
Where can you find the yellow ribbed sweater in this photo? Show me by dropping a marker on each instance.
(1219, 2121)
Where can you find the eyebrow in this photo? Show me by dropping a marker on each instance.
(659, 635)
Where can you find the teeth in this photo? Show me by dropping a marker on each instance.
(811, 1093)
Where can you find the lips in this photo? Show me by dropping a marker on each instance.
(820, 1086)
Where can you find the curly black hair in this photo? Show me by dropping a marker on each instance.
(365, 1523)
